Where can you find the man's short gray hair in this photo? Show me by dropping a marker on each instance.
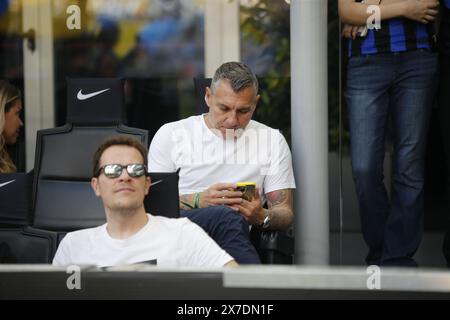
(239, 75)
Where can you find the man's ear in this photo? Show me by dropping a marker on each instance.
(94, 185)
(148, 182)
(208, 95)
(257, 99)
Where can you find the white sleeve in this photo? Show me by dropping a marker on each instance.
(160, 151)
(200, 250)
(62, 256)
(280, 174)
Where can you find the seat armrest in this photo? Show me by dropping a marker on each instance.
(274, 247)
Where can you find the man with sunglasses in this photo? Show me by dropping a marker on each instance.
(131, 235)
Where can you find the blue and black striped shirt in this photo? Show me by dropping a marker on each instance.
(395, 35)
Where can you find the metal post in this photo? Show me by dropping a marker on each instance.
(309, 119)
(38, 74)
(222, 34)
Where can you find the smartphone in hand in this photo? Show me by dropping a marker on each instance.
(247, 189)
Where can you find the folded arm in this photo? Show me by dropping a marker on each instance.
(355, 13)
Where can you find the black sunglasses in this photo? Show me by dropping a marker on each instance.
(134, 170)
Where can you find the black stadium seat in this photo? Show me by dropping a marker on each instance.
(27, 245)
(15, 198)
(63, 198)
(19, 243)
(163, 198)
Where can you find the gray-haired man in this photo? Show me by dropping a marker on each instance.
(215, 151)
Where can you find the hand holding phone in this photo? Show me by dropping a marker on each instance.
(247, 189)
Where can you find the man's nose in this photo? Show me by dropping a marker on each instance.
(232, 120)
(124, 175)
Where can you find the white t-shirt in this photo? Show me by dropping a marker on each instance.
(171, 242)
(259, 154)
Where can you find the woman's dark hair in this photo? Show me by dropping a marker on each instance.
(9, 94)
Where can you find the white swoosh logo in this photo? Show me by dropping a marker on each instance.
(6, 183)
(82, 96)
(155, 183)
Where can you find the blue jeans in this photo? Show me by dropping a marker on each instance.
(400, 86)
(229, 229)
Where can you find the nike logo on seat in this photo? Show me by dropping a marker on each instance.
(6, 183)
(82, 96)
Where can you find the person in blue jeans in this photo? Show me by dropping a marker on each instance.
(444, 103)
(391, 73)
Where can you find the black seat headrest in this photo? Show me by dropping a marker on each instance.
(95, 101)
(15, 198)
(200, 85)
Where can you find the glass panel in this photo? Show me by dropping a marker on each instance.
(338, 145)
(265, 47)
(11, 64)
(156, 45)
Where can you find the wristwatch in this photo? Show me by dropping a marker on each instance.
(266, 223)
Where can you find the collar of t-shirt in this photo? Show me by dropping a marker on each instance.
(131, 239)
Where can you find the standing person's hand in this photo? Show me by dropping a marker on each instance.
(349, 31)
(423, 11)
